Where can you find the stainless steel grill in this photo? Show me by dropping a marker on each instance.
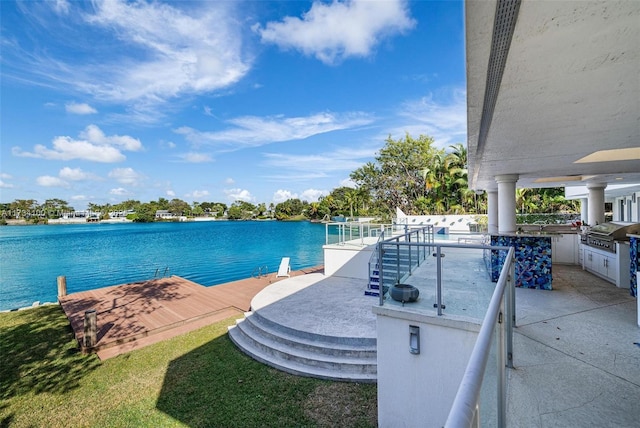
(604, 235)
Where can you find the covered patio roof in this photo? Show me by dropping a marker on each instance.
(553, 92)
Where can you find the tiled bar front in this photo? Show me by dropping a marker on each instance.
(533, 260)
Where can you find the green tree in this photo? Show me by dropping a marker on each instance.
(262, 209)
(145, 213)
(56, 208)
(24, 208)
(404, 170)
(178, 207)
(241, 210)
(289, 208)
(196, 209)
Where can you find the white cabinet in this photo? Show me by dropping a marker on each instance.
(581, 256)
(614, 267)
(564, 249)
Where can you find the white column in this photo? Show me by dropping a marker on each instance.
(584, 210)
(492, 211)
(506, 203)
(596, 203)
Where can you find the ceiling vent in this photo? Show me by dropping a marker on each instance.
(503, 27)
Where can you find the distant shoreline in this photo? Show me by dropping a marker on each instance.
(56, 222)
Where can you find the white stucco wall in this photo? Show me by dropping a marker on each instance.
(418, 390)
(349, 261)
(452, 223)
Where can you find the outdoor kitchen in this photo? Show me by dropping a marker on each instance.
(605, 251)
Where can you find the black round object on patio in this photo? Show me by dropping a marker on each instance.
(404, 293)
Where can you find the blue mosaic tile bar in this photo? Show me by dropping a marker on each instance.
(533, 260)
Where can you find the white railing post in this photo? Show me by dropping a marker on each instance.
(501, 375)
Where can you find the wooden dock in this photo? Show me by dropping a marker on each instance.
(134, 315)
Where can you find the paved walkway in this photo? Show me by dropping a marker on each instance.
(138, 314)
(577, 362)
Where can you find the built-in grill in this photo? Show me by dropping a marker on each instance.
(604, 235)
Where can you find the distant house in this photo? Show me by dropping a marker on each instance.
(120, 214)
(165, 215)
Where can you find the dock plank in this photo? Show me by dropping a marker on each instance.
(138, 314)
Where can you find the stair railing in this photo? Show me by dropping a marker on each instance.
(398, 254)
(374, 269)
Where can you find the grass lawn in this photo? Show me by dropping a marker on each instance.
(198, 380)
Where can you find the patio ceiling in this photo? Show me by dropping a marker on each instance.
(570, 87)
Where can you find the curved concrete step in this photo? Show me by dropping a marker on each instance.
(304, 353)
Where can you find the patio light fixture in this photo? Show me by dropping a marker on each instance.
(414, 339)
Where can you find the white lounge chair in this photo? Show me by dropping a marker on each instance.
(284, 268)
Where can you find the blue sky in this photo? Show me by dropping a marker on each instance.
(261, 101)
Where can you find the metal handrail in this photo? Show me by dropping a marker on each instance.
(258, 271)
(166, 273)
(420, 237)
(464, 412)
(374, 259)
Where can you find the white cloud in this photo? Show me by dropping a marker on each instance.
(119, 191)
(4, 185)
(347, 182)
(5, 175)
(229, 181)
(77, 108)
(446, 122)
(312, 195)
(65, 148)
(340, 29)
(79, 198)
(253, 131)
(95, 135)
(126, 176)
(61, 6)
(177, 50)
(76, 174)
(343, 159)
(193, 157)
(296, 176)
(239, 195)
(170, 193)
(49, 181)
(197, 194)
(94, 146)
(283, 195)
(150, 52)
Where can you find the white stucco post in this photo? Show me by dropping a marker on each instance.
(584, 210)
(506, 203)
(492, 211)
(596, 203)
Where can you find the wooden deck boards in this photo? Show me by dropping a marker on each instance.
(134, 315)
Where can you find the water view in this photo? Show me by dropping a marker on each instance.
(99, 255)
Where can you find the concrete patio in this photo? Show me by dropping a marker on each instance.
(576, 358)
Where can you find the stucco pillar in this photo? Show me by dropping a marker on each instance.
(596, 203)
(584, 210)
(492, 211)
(506, 203)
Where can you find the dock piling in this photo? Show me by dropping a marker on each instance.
(62, 286)
(90, 329)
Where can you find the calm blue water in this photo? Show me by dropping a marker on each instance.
(98, 255)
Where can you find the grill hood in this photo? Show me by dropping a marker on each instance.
(615, 230)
